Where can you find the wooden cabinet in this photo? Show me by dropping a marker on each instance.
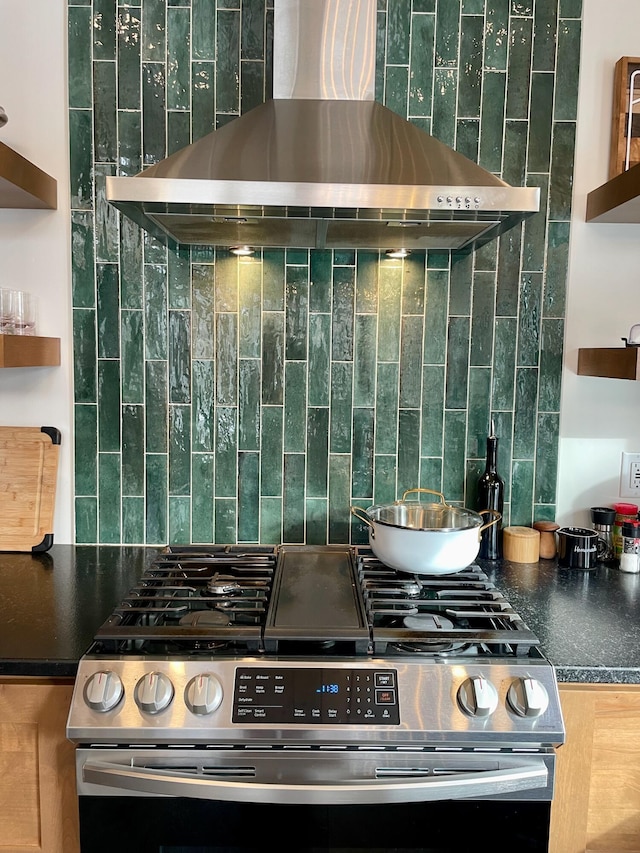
(38, 801)
(29, 351)
(596, 807)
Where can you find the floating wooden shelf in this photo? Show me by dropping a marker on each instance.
(29, 351)
(23, 185)
(611, 363)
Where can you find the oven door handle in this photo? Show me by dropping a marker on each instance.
(459, 785)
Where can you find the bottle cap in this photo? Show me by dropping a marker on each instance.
(603, 514)
(626, 509)
(631, 529)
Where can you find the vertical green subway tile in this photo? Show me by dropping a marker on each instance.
(226, 359)
(468, 138)
(179, 357)
(522, 7)
(156, 406)
(154, 30)
(342, 317)
(132, 357)
(270, 520)
(482, 319)
(228, 61)
(79, 27)
(509, 258)
(178, 59)
(470, 78)
(202, 466)
(535, 228)
(82, 259)
(389, 307)
(491, 125)
(339, 498)
(106, 218)
(178, 130)
(293, 498)
(525, 410)
(496, 34)
(570, 8)
(556, 269)
(408, 449)
(431, 474)
(435, 324)
(447, 33)
(479, 411)
(225, 515)
(153, 112)
(271, 450)
(179, 520)
(367, 269)
(381, 45)
(203, 378)
(460, 284)
(522, 493)
(273, 277)
(341, 407)
(131, 269)
(529, 320)
(156, 526)
(453, 460)
(108, 405)
(108, 311)
(249, 309)
(104, 29)
(226, 289)
(398, 18)
(179, 450)
(104, 111)
(80, 159)
(504, 360)
(396, 89)
(295, 395)
(320, 281)
(319, 359)
(248, 496)
(202, 311)
(203, 105)
(316, 516)
(542, 95)
(86, 532)
(251, 85)
(413, 284)
(84, 355)
(363, 446)
(410, 362)
(129, 58)
(545, 35)
(515, 152)
(317, 452)
(551, 364)
(133, 521)
(297, 304)
(561, 183)
(384, 478)
(155, 319)
(249, 404)
(226, 451)
(132, 450)
(421, 64)
(519, 69)
(432, 410)
(85, 449)
(253, 26)
(444, 105)
(178, 278)
(272, 358)
(486, 257)
(364, 365)
(129, 160)
(203, 30)
(457, 363)
(109, 498)
(387, 407)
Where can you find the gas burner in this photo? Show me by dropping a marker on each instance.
(223, 586)
(428, 622)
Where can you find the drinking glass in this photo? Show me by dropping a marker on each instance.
(24, 313)
(7, 310)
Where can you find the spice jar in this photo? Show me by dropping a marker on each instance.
(603, 518)
(624, 512)
(630, 556)
(547, 538)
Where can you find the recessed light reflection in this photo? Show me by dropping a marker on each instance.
(242, 251)
(397, 253)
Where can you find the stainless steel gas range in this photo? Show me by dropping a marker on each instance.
(314, 679)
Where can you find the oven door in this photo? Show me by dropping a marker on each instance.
(171, 800)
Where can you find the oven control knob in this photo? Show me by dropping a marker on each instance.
(153, 692)
(103, 691)
(478, 697)
(203, 694)
(528, 697)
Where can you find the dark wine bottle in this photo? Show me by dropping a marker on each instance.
(491, 496)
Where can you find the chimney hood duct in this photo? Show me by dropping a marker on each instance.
(322, 164)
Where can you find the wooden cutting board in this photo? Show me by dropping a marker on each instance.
(28, 475)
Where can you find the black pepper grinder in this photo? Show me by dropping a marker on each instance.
(491, 496)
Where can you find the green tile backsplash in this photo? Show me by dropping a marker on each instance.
(230, 400)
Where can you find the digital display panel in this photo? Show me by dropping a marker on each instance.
(309, 695)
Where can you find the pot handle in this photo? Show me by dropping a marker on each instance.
(428, 491)
(361, 515)
(494, 512)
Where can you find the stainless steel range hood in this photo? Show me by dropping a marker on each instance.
(322, 165)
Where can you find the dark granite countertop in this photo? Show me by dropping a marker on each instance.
(53, 603)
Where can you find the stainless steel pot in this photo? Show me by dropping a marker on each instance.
(425, 538)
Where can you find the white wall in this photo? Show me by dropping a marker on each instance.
(599, 417)
(34, 244)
